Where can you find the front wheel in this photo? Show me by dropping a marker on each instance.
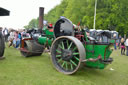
(33, 49)
(67, 52)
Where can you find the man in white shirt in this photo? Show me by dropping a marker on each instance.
(5, 33)
(126, 44)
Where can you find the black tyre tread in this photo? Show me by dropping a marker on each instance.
(2, 45)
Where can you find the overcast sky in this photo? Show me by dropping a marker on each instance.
(22, 11)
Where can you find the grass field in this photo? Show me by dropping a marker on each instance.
(18, 70)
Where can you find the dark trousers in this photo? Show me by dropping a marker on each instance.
(123, 51)
(127, 50)
(6, 38)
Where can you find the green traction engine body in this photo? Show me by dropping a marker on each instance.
(70, 46)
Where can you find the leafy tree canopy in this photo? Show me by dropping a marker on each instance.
(111, 14)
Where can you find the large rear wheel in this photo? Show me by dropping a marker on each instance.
(2, 46)
(67, 52)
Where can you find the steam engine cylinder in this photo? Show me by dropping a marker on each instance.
(44, 41)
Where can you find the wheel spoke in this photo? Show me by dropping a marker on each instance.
(63, 64)
(58, 55)
(71, 67)
(58, 51)
(66, 66)
(73, 62)
(70, 46)
(59, 60)
(76, 58)
(67, 43)
(63, 45)
(75, 53)
(74, 49)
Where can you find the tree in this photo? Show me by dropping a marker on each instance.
(111, 14)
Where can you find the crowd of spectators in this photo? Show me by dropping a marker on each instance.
(13, 37)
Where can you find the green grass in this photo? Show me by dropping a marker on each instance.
(18, 70)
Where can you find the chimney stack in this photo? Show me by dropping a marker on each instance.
(41, 18)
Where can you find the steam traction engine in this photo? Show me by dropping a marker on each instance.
(70, 47)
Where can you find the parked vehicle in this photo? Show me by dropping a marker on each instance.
(69, 46)
(3, 12)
